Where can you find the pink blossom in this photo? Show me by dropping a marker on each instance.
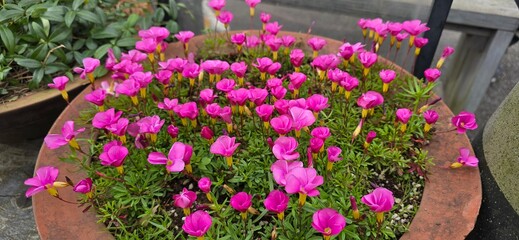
(59, 83)
(288, 41)
(54, 141)
(206, 133)
(84, 186)
(371, 135)
(282, 106)
(89, 64)
(179, 155)
(282, 124)
(320, 132)
(157, 33)
(168, 104)
(225, 17)
(334, 153)
(370, 99)
(114, 154)
(466, 159)
(265, 17)
(110, 88)
(185, 199)
(224, 146)
(215, 66)
(285, 148)
(296, 57)
(172, 131)
(238, 38)
(111, 60)
(238, 96)
(184, 36)
(367, 59)
(239, 68)
(173, 64)
(337, 75)
(147, 45)
(191, 70)
(258, 95)
(252, 3)
(394, 28)
(316, 43)
(273, 28)
(420, 42)
(108, 117)
(380, 200)
(301, 118)
(325, 62)
(414, 27)
(362, 23)
(45, 179)
(252, 41)
(96, 97)
(217, 5)
(300, 103)
(464, 121)
(317, 102)
(430, 116)
(347, 50)
(129, 88)
(316, 144)
(303, 181)
(187, 110)
(276, 201)
(281, 168)
(226, 114)
(349, 83)
(264, 111)
(197, 224)
(119, 128)
(263, 64)
(134, 56)
(151, 124)
(205, 184)
(273, 68)
(207, 96)
(241, 201)
(225, 85)
(447, 51)
(403, 115)
(432, 74)
(278, 92)
(274, 43)
(401, 36)
(143, 78)
(328, 222)
(297, 79)
(213, 110)
(387, 75)
(274, 82)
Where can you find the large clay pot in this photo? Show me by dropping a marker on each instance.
(448, 209)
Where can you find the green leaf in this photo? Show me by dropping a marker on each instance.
(55, 67)
(7, 38)
(76, 4)
(46, 25)
(159, 15)
(88, 16)
(69, 18)
(37, 29)
(132, 20)
(91, 44)
(25, 3)
(37, 76)
(101, 51)
(126, 42)
(28, 63)
(173, 9)
(172, 26)
(7, 15)
(60, 34)
(55, 13)
(40, 52)
(78, 44)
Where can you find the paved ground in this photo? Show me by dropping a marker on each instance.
(17, 160)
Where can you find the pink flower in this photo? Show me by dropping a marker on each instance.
(394, 28)
(263, 64)
(179, 155)
(184, 36)
(191, 70)
(96, 97)
(113, 154)
(281, 168)
(420, 42)
(67, 136)
(273, 28)
(273, 68)
(241, 201)
(401, 36)
(239, 68)
(320, 132)
(274, 82)
(325, 62)
(238, 39)
(337, 75)
(430, 116)
(414, 27)
(301, 118)
(147, 45)
(328, 222)
(106, 118)
(185, 199)
(464, 121)
(300, 103)
(205, 184)
(362, 23)
(288, 41)
(224, 146)
(282, 106)
(157, 33)
(432, 74)
(151, 124)
(173, 64)
(89, 64)
(447, 51)
(316, 144)
(217, 5)
(129, 88)
(172, 131)
(59, 83)
(466, 159)
(278, 92)
(238, 97)
(207, 96)
(296, 57)
(297, 79)
(282, 124)
(225, 85)
(134, 56)
(317, 102)
(111, 60)
(347, 50)
(119, 128)
(334, 153)
(252, 41)
(371, 135)
(387, 75)
(197, 224)
(45, 179)
(403, 115)
(316, 43)
(304, 181)
(225, 17)
(206, 133)
(215, 66)
(370, 99)
(367, 59)
(274, 43)
(213, 110)
(265, 17)
(84, 186)
(226, 114)
(252, 3)
(380, 200)
(264, 111)
(258, 95)
(187, 110)
(168, 104)
(285, 148)
(349, 83)
(276, 201)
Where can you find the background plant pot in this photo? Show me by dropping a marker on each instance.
(448, 209)
(31, 116)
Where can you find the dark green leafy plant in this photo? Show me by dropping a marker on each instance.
(42, 39)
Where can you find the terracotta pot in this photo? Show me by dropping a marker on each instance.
(448, 209)
(31, 116)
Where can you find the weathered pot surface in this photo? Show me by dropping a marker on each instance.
(448, 209)
(31, 116)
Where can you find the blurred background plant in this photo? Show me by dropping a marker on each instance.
(41, 39)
